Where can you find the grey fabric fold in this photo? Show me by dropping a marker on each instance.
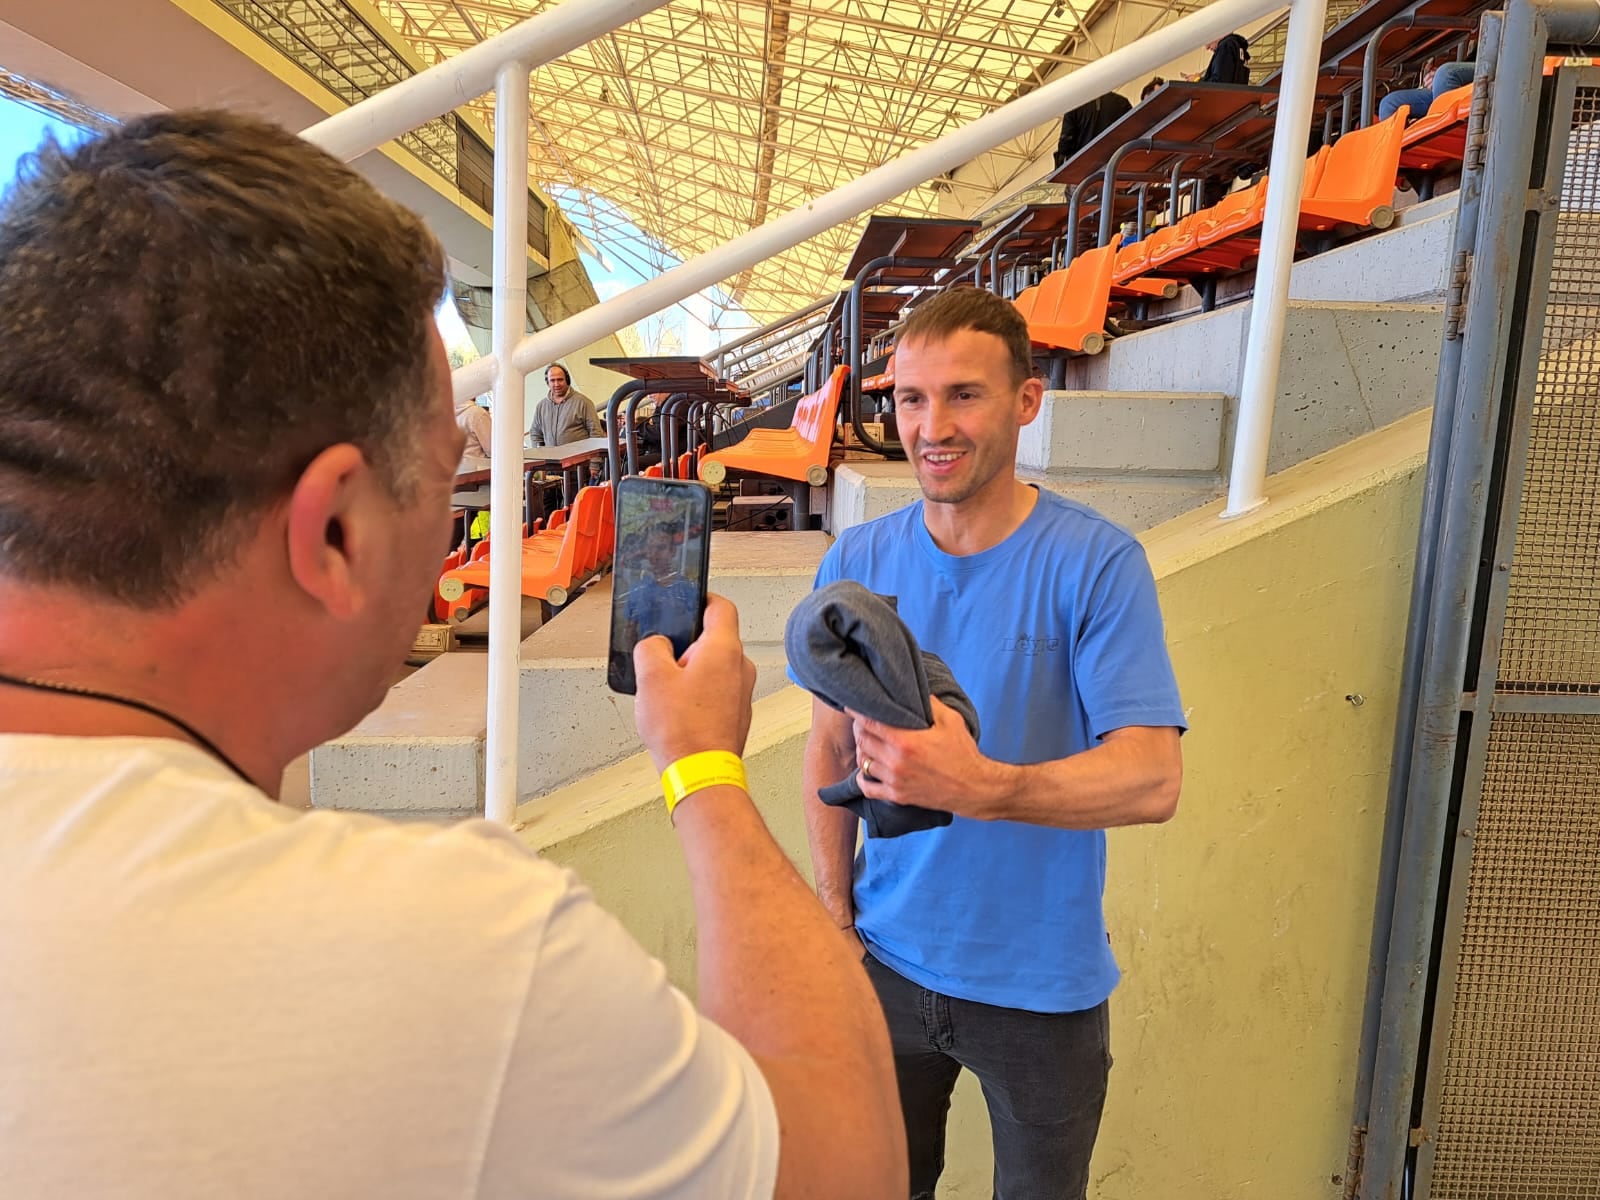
(849, 648)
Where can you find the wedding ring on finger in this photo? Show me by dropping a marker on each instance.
(866, 770)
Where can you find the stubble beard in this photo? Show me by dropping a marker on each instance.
(952, 491)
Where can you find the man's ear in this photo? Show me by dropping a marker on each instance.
(328, 543)
(1031, 400)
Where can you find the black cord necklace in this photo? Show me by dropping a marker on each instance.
(68, 689)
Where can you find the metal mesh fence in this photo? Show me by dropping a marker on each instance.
(1519, 1116)
(1518, 1087)
(1552, 629)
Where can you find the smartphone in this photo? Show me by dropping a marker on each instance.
(660, 569)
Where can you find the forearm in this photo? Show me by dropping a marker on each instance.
(830, 831)
(1110, 785)
(775, 973)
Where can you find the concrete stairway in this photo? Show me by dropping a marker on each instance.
(421, 752)
(1143, 431)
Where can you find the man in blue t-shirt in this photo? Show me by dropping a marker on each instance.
(659, 599)
(986, 939)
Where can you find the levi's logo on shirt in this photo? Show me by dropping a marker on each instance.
(1030, 644)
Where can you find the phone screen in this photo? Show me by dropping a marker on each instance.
(659, 572)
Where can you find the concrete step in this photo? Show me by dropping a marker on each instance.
(864, 491)
(1409, 262)
(573, 723)
(1347, 368)
(1127, 432)
(421, 752)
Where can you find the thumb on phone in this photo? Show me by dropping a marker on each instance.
(651, 656)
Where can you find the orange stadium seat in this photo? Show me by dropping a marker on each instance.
(608, 522)
(883, 381)
(552, 561)
(1440, 137)
(1356, 186)
(1069, 312)
(799, 452)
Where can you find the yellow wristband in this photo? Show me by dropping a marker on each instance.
(709, 768)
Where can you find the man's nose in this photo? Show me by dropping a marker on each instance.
(939, 422)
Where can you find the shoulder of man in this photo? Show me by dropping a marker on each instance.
(1078, 527)
(471, 852)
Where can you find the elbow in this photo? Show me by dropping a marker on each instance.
(1161, 800)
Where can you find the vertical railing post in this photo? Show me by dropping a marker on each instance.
(506, 474)
(1263, 349)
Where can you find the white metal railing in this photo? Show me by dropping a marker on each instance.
(504, 62)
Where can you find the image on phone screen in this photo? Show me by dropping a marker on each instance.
(659, 574)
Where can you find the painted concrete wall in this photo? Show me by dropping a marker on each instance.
(1242, 926)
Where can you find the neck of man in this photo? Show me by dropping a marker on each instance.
(189, 661)
(984, 519)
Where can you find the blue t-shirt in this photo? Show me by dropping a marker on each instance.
(1056, 636)
(669, 609)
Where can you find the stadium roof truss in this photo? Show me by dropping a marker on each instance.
(705, 118)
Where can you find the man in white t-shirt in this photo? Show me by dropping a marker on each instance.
(226, 456)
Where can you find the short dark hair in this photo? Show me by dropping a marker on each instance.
(558, 366)
(1155, 84)
(958, 308)
(194, 306)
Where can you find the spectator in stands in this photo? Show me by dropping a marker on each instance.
(565, 414)
(224, 498)
(1155, 85)
(1129, 231)
(1435, 81)
(1087, 122)
(986, 938)
(1230, 57)
(473, 418)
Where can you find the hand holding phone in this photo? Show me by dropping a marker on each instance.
(699, 700)
(660, 571)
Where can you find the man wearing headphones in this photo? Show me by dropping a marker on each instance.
(564, 415)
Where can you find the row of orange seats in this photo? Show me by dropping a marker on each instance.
(686, 465)
(569, 550)
(1351, 182)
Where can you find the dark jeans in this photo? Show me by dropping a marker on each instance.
(1043, 1077)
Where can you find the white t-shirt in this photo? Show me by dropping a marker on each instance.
(203, 994)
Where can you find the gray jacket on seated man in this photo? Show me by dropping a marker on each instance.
(565, 415)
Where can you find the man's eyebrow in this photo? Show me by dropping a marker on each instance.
(959, 385)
